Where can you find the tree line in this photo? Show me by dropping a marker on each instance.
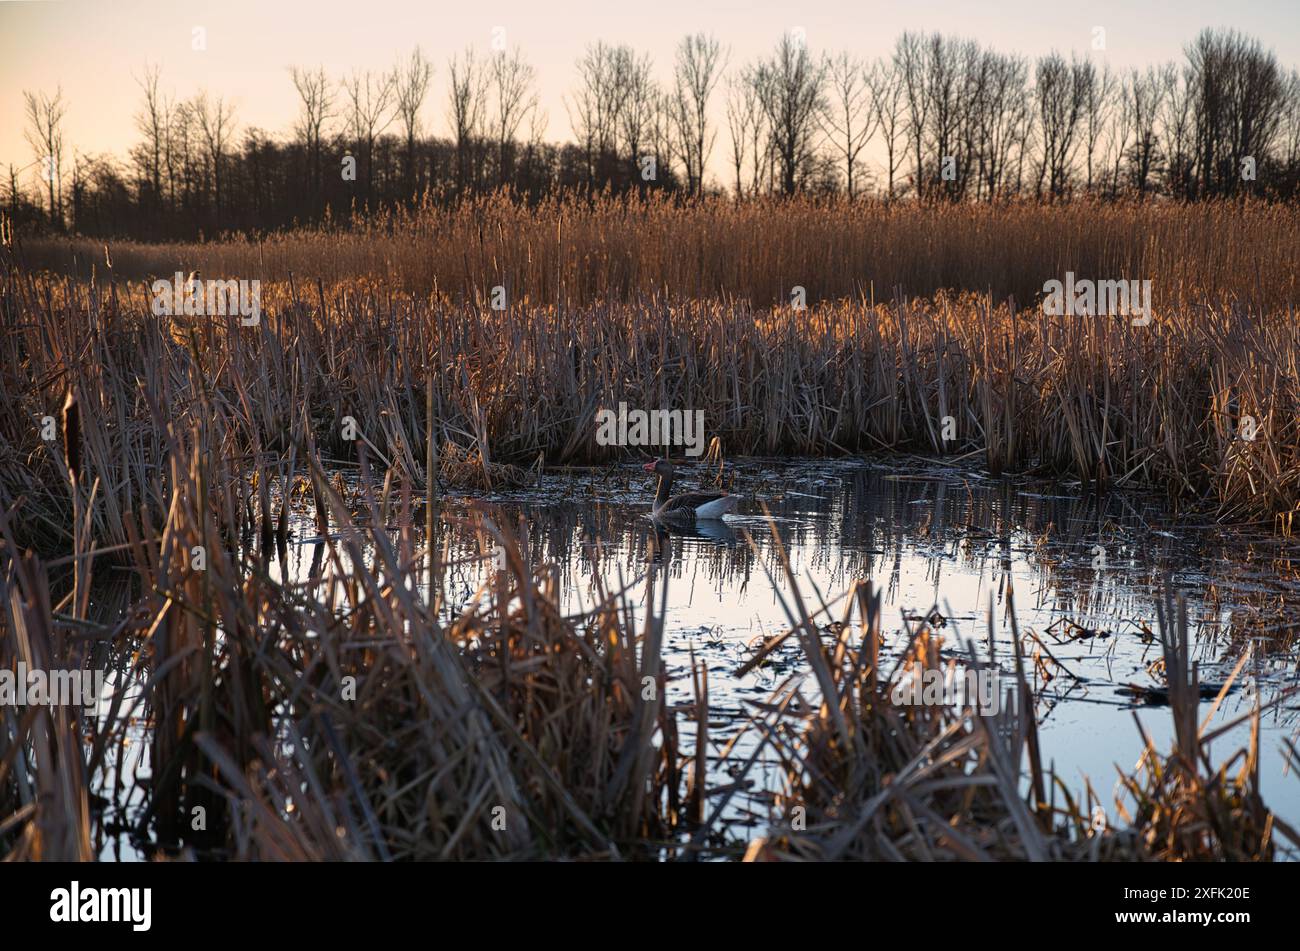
(940, 118)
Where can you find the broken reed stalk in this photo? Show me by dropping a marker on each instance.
(430, 476)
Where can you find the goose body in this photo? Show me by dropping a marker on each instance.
(688, 506)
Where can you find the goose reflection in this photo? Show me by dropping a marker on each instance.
(665, 536)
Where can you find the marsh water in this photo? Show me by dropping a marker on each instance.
(1084, 571)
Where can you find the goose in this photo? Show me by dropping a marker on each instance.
(689, 505)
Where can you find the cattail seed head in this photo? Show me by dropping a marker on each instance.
(72, 434)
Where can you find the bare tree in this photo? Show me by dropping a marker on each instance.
(909, 68)
(638, 98)
(1237, 92)
(1001, 111)
(974, 76)
(1146, 90)
(216, 121)
(512, 82)
(944, 88)
(743, 114)
(887, 107)
(179, 158)
(538, 119)
(846, 116)
(1115, 139)
(1098, 102)
(317, 100)
(410, 86)
(1178, 145)
(467, 99)
(369, 100)
(1024, 135)
(45, 136)
(594, 107)
(1289, 132)
(661, 130)
(789, 87)
(696, 72)
(1059, 92)
(152, 121)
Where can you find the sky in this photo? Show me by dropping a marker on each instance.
(96, 49)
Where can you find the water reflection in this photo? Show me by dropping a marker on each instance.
(1083, 570)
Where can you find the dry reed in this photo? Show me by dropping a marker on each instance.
(351, 716)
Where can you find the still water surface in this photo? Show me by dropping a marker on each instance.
(1084, 571)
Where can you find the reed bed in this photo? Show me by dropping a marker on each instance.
(867, 779)
(499, 393)
(570, 252)
(337, 717)
(344, 717)
(357, 714)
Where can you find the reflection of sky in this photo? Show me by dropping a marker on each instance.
(928, 541)
(924, 540)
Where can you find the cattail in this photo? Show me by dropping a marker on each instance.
(72, 434)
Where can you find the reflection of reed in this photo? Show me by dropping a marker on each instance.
(848, 522)
(838, 524)
(843, 523)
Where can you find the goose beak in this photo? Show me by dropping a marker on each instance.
(650, 466)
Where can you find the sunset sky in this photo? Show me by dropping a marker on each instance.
(96, 48)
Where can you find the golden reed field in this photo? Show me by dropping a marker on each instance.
(177, 434)
(914, 313)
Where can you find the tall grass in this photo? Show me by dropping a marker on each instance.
(567, 252)
(866, 779)
(961, 375)
(348, 716)
(351, 716)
